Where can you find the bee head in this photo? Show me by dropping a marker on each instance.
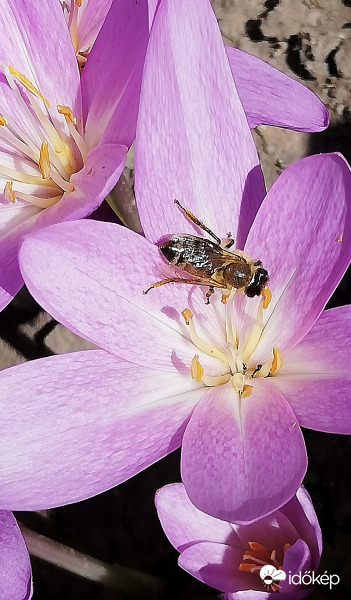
(258, 281)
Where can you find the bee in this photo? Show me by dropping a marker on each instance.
(204, 262)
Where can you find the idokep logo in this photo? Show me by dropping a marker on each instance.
(272, 576)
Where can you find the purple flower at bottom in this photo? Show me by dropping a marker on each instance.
(230, 557)
(16, 574)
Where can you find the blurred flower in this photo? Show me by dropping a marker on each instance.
(16, 574)
(229, 557)
(119, 409)
(63, 140)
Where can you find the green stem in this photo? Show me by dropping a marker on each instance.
(133, 583)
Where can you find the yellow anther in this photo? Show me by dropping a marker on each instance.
(196, 369)
(258, 548)
(23, 79)
(187, 314)
(225, 298)
(8, 193)
(277, 361)
(3, 120)
(247, 566)
(272, 366)
(44, 161)
(78, 3)
(67, 113)
(246, 391)
(267, 296)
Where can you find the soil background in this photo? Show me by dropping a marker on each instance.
(310, 40)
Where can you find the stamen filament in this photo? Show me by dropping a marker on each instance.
(81, 145)
(214, 380)
(208, 349)
(255, 334)
(66, 186)
(230, 333)
(20, 141)
(22, 177)
(39, 202)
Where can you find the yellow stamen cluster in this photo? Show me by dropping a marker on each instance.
(257, 556)
(234, 357)
(55, 154)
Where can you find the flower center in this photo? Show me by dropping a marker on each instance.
(257, 556)
(39, 157)
(236, 353)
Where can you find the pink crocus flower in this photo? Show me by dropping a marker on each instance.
(230, 557)
(15, 569)
(63, 140)
(90, 420)
(84, 20)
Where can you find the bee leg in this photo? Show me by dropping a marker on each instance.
(228, 242)
(197, 222)
(209, 294)
(172, 280)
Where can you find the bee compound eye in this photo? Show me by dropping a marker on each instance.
(258, 281)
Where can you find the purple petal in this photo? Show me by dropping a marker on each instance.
(297, 560)
(270, 97)
(313, 356)
(11, 279)
(315, 378)
(91, 16)
(193, 141)
(16, 574)
(214, 564)
(301, 513)
(100, 173)
(184, 524)
(74, 425)
(319, 402)
(35, 32)
(230, 448)
(274, 530)
(111, 79)
(302, 234)
(96, 289)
